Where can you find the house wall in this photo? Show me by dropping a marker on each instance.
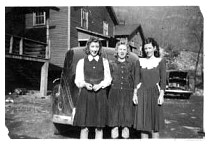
(137, 42)
(96, 16)
(14, 22)
(58, 32)
(34, 32)
(58, 35)
(75, 21)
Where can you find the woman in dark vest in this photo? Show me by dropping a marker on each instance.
(92, 76)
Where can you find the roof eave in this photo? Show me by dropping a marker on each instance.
(112, 15)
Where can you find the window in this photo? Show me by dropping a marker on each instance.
(39, 18)
(105, 28)
(84, 18)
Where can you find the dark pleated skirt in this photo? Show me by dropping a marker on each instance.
(91, 109)
(121, 108)
(148, 115)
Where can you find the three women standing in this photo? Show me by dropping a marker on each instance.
(148, 78)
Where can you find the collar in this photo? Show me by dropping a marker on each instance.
(90, 58)
(121, 62)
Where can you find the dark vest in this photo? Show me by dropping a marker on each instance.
(93, 70)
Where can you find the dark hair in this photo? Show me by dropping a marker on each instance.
(122, 42)
(93, 39)
(154, 44)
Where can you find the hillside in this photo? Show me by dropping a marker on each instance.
(178, 27)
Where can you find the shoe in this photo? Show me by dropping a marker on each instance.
(125, 132)
(115, 132)
(84, 133)
(99, 134)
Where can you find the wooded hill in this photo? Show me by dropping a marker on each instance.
(174, 27)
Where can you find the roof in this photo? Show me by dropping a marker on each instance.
(26, 10)
(126, 30)
(112, 14)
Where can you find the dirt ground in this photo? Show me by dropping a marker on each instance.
(29, 117)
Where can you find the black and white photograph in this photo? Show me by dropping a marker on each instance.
(111, 72)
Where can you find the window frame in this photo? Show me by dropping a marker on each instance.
(105, 28)
(84, 18)
(36, 16)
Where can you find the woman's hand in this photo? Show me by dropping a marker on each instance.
(88, 86)
(160, 99)
(96, 87)
(135, 98)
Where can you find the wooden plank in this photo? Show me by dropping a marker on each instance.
(44, 79)
(14, 56)
(11, 44)
(21, 46)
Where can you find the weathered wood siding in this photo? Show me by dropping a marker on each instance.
(96, 17)
(58, 35)
(29, 21)
(14, 22)
(75, 22)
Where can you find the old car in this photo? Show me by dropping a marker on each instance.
(65, 92)
(178, 84)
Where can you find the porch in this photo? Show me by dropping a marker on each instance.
(28, 50)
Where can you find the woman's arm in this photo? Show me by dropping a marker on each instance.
(137, 82)
(162, 71)
(79, 75)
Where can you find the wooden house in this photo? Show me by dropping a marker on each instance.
(37, 39)
(133, 34)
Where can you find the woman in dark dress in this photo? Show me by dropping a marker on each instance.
(150, 82)
(92, 76)
(121, 108)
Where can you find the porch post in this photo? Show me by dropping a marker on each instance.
(11, 44)
(44, 78)
(21, 47)
(45, 66)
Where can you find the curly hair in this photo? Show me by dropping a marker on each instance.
(154, 44)
(93, 39)
(122, 42)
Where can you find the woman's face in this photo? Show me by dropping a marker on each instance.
(122, 51)
(149, 50)
(94, 48)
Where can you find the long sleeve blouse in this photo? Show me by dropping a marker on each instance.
(79, 77)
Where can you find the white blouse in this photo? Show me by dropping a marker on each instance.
(149, 63)
(79, 76)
